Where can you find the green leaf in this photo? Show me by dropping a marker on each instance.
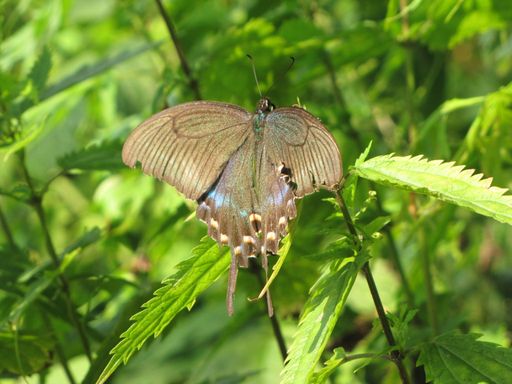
(24, 138)
(476, 22)
(444, 181)
(454, 359)
(31, 351)
(180, 291)
(88, 71)
(20, 192)
(85, 240)
(321, 312)
(33, 293)
(104, 156)
(334, 362)
(283, 252)
(39, 73)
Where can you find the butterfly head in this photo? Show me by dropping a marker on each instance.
(265, 105)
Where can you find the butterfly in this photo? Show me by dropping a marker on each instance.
(244, 169)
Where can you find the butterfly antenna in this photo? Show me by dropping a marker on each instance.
(292, 61)
(254, 73)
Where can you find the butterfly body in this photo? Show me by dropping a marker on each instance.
(244, 170)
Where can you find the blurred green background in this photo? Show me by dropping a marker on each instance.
(419, 77)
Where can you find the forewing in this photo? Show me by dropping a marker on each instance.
(188, 145)
(300, 142)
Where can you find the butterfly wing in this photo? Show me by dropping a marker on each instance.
(308, 151)
(188, 145)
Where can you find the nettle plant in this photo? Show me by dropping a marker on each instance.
(446, 358)
(413, 340)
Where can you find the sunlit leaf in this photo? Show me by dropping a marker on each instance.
(319, 316)
(180, 291)
(444, 181)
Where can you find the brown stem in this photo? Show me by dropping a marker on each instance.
(36, 202)
(276, 328)
(192, 82)
(345, 119)
(396, 356)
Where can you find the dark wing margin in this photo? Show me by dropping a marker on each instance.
(188, 145)
(299, 141)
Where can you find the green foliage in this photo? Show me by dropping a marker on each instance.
(84, 241)
(106, 156)
(33, 352)
(318, 318)
(454, 358)
(180, 291)
(444, 181)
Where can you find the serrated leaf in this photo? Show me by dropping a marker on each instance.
(39, 73)
(319, 316)
(330, 365)
(32, 351)
(363, 156)
(442, 180)
(104, 156)
(454, 359)
(194, 275)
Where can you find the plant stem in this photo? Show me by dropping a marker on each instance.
(276, 328)
(192, 82)
(344, 118)
(7, 230)
(427, 273)
(396, 356)
(36, 202)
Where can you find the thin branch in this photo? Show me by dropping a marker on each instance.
(396, 356)
(344, 114)
(37, 204)
(276, 328)
(7, 230)
(192, 82)
(345, 120)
